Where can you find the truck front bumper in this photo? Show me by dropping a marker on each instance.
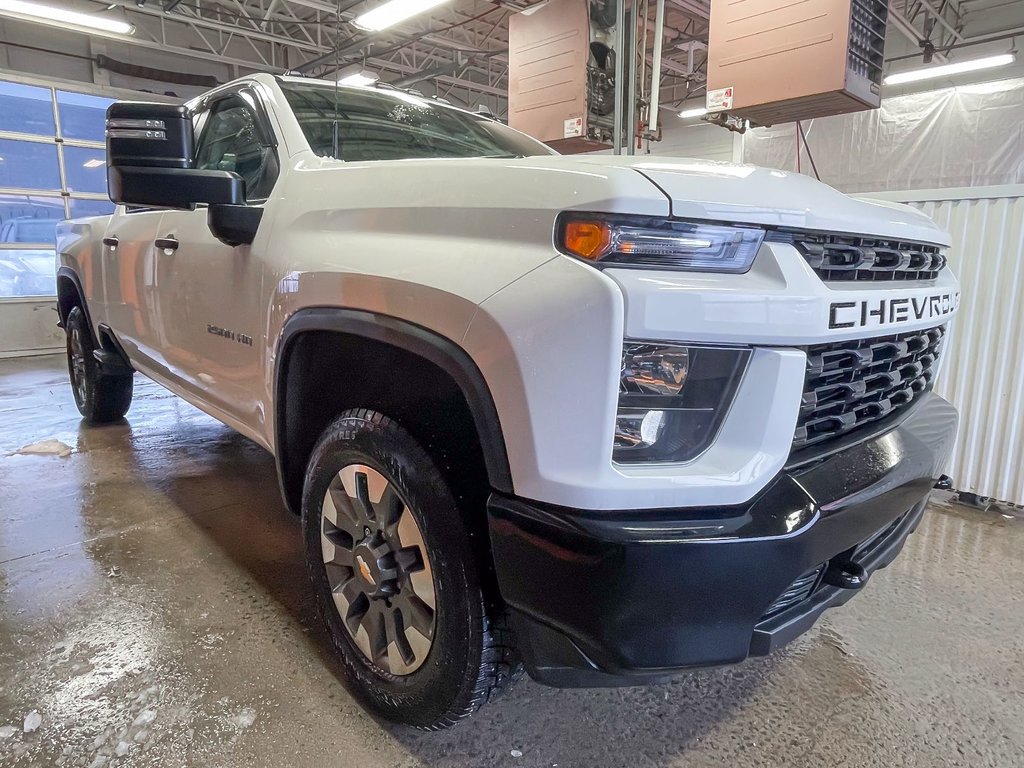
(620, 598)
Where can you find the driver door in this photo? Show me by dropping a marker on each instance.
(212, 325)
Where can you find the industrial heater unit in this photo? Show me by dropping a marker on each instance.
(773, 61)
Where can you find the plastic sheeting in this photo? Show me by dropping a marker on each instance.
(954, 137)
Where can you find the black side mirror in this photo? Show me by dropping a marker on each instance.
(151, 160)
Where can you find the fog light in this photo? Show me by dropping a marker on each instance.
(638, 428)
(672, 399)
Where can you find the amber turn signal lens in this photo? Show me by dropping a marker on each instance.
(587, 239)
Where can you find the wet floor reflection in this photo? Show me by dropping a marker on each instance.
(155, 612)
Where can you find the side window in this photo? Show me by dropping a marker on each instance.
(229, 141)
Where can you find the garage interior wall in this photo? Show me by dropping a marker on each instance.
(980, 372)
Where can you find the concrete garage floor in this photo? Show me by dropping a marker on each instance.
(154, 612)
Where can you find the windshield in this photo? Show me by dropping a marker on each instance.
(383, 125)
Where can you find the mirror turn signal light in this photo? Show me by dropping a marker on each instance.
(587, 239)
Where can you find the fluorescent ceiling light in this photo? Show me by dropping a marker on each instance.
(393, 12)
(359, 78)
(93, 163)
(944, 70)
(695, 112)
(62, 17)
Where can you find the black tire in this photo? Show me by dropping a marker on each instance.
(100, 397)
(470, 658)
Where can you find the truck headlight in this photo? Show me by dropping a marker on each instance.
(652, 243)
(672, 399)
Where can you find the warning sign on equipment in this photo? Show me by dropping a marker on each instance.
(573, 127)
(720, 100)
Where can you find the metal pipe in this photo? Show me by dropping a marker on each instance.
(644, 14)
(980, 40)
(620, 74)
(659, 35)
(441, 71)
(629, 138)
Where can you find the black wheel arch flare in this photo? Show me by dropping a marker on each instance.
(409, 337)
(67, 275)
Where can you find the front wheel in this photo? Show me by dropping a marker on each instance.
(100, 397)
(395, 577)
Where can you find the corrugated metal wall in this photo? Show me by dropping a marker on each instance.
(983, 370)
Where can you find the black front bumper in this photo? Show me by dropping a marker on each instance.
(613, 598)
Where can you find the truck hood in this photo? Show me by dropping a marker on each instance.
(717, 191)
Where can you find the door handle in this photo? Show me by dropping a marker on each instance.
(110, 242)
(166, 243)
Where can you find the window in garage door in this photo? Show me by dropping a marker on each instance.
(52, 167)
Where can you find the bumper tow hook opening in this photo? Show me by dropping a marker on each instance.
(846, 574)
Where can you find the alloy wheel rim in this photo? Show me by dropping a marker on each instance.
(78, 365)
(378, 571)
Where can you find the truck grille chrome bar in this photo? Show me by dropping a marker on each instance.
(836, 257)
(853, 383)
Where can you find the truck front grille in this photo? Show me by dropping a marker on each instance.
(853, 383)
(850, 257)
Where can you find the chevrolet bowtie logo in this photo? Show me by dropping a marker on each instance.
(364, 570)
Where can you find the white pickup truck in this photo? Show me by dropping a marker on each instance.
(605, 418)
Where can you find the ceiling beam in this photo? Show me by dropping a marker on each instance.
(909, 31)
(942, 20)
(217, 26)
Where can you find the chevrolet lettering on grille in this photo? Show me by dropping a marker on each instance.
(868, 313)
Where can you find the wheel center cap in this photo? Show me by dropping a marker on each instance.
(375, 564)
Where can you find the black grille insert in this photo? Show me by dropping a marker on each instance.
(797, 592)
(853, 383)
(851, 257)
(865, 548)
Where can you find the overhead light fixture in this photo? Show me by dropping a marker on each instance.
(360, 77)
(945, 70)
(93, 163)
(393, 12)
(695, 112)
(62, 17)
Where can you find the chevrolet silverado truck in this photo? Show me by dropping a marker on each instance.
(603, 418)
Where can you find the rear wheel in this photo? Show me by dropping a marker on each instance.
(100, 397)
(394, 572)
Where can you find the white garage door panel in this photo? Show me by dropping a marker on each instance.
(29, 327)
(700, 140)
(983, 368)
